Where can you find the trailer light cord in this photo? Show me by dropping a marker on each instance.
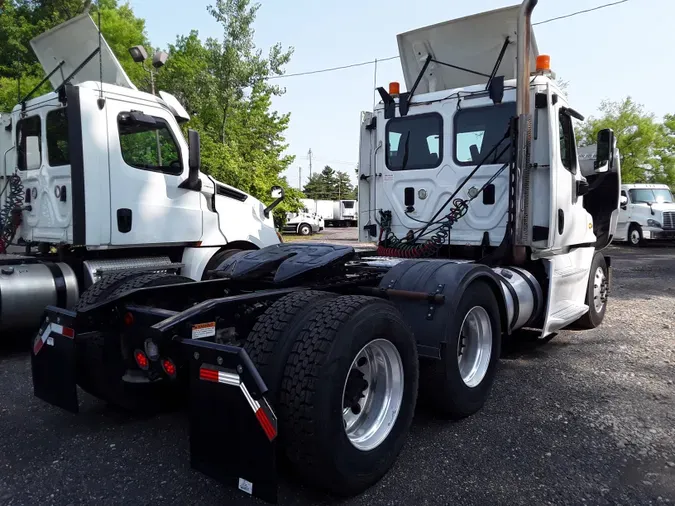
(10, 214)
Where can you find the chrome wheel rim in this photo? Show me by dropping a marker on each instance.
(635, 236)
(599, 289)
(372, 394)
(474, 346)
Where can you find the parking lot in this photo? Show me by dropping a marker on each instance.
(585, 418)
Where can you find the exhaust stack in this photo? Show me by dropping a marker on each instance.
(522, 223)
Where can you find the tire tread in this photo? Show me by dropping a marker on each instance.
(299, 389)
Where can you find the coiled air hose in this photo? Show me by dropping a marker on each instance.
(401, 248)
(10, 214)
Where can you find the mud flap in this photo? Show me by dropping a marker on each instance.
(233, 429)
(53, 360)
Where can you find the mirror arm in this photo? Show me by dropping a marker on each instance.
(274, 204)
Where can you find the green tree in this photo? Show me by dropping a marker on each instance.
(647, 146)
(329, 185)
(344, 187)
(223, 84)
(235, 61)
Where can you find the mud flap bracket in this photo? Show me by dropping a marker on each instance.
(233, 429)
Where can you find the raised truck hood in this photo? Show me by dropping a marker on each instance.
(472, 42)
(72, 42)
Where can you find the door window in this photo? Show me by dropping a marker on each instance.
(414, 142)
(149, 146)
(57, 138)
(478, 130)
(29, 143)
(567, 150)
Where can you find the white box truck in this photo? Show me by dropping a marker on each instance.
(345, 213)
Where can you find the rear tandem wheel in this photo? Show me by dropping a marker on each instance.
(348, 393)
(459, 383)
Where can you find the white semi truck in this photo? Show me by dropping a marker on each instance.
(647, 214)
(303, 222)
(96, 178)
(485, 223)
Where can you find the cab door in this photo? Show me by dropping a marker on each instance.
(570, 223)
(148, 162)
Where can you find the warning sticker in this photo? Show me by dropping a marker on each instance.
(388, 177)
(202, 330)
(245, 486)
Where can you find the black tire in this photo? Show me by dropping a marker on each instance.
(101, 362)
(218, 259)
(593, 318)
(635, 235)
(311, 397)
(304, 229)
(269, 342)
(441, 385)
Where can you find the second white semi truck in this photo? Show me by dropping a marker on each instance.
(647, 214)
(96, 178)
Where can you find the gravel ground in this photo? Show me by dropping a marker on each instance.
(585, 418)
(340, 235)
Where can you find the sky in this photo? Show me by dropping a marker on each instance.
(623, 50)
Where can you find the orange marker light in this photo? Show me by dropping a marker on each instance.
(394, 88)
(543, 62)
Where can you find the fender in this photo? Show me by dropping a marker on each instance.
(450, 278)
(197, 259)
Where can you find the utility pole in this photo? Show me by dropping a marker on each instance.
(300, 178)
(309, 155)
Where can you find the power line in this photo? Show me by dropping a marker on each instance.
(371, 62)
(580, 12)
(332, 68)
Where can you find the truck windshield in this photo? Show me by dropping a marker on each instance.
(651, 196)
(348, 205)
(478, 130)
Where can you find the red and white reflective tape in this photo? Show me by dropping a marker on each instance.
(46, 333)
(263, 412)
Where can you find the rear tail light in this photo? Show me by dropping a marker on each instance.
(169, 367)
(141, 360)
(128, 319)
